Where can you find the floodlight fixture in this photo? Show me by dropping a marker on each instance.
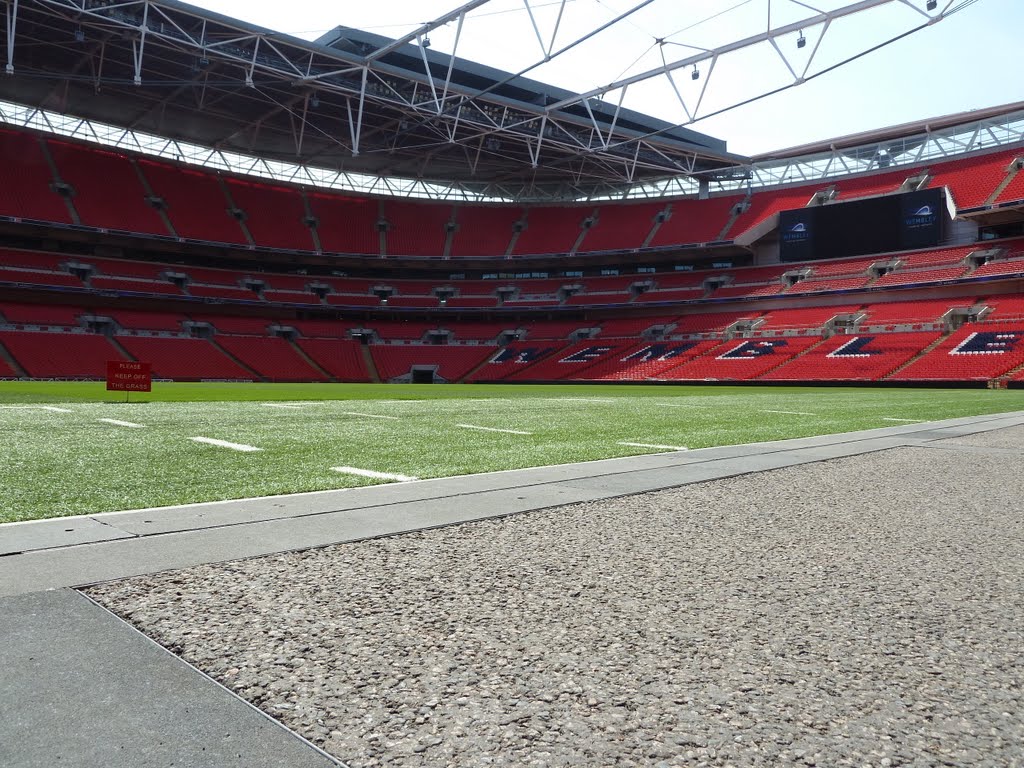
(79, 35)
(931, 5)
(801, 41)
(314, 101)
(695, 75)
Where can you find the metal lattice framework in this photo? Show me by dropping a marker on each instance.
(374, 113)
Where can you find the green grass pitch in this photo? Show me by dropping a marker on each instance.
(60, 458)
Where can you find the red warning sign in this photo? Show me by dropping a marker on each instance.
(123, 376)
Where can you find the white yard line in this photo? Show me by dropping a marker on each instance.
(580, 400)
(225, 444)
(792, 413)
(55, 409)
(375, 475)
(654, 445)
(909, 421)
(119, 423)
(493, 429)
(369, 415)
(280, 405)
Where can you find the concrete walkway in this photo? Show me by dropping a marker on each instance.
(80, 687)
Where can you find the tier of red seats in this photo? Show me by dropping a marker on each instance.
(1005, 306)
(399, 329)
(321, 328)
(766, 203)
(484, 230)
(854, 358)
(194, 203)
(252, 326)
(273, 215)
(737, 291)
(902, 312)
(416, 229)
(291, 297)
(515, 358)
(183, 359)
(674, 295)
(36, 277)
(595, 299)
(648, 360)
(32, 197)
(475, 331)
(935, 258)
(454, 363)
(272, 358)
(631, 327)
(710, 322)
(1000, 267)
(830, 284)
(471, 302)
(573, 362)
(621, 227)
(973, 180)
(844, 267)
(123, 268)
(868, 186)
(49, 262)
(1014, 190)
(346, 224)
(695, 221)
(553, 329)
(741, 359)
(228, 292)
(550, 230)
(108, 191)
(60, 355)
(132, 285)
(40, 314)
(150, 321)
(973, 353)
(341, 358)
(804, 317)
(901, 277)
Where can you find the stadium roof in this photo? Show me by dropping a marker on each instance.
(351, 100)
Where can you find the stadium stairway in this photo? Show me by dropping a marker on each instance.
(476, 369)
(1007, 180)
(797, 356)
(13, 364)
(236, 361)
(371, 366)
(311, 362)
(918, 356)
(120, 348)
(1008, 376)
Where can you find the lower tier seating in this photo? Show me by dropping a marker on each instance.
(976, 352)
(273, 358)
(854, 358)
(341, 358)
(60, 355)
(183, 359)
(741, 359)
(453, 363)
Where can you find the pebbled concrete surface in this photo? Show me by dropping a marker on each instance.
(866, 610)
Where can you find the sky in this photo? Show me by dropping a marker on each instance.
(967, 61)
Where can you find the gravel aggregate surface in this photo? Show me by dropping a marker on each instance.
(865, 611)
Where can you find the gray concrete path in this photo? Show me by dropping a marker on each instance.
(79, 687)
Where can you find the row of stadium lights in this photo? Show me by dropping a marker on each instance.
(801, 41)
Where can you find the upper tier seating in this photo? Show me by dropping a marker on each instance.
(484, 230)
(108, 191)
(37, 277)
(673, 294)
(52, 262)
(251, 326)
(695, 221)
(321, 328)
(273, 358)
(341, 358)
(854, 358)
(829, 284)
(632, 327)
(273, 214)
(550, 230)
(766, 203)
(1004, 306)
(183, 358)
(453, 362)
(133, 285)
(416, 229)
(124, 268)
(346, 224)
(935, 258)
(973, 180)
(973, 353)
(710, 322)
(843, 267)
(31, 197)
(554, 329)
(150, 321)
(999, 267)
(621, 227)
(406, 330)
(476, 331)
(60, 355)
(869, 186)
(195, 203)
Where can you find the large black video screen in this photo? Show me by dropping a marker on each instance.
(862, 227)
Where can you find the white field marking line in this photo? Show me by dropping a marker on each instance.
(225, 444)
(654, 445)
(429, 480)
(280, 405)
(792, 413)
(909, 421)
(369, 415)
(119, 423)
(375, 475)
(493, 429)
(579, 400)
(55, 409)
